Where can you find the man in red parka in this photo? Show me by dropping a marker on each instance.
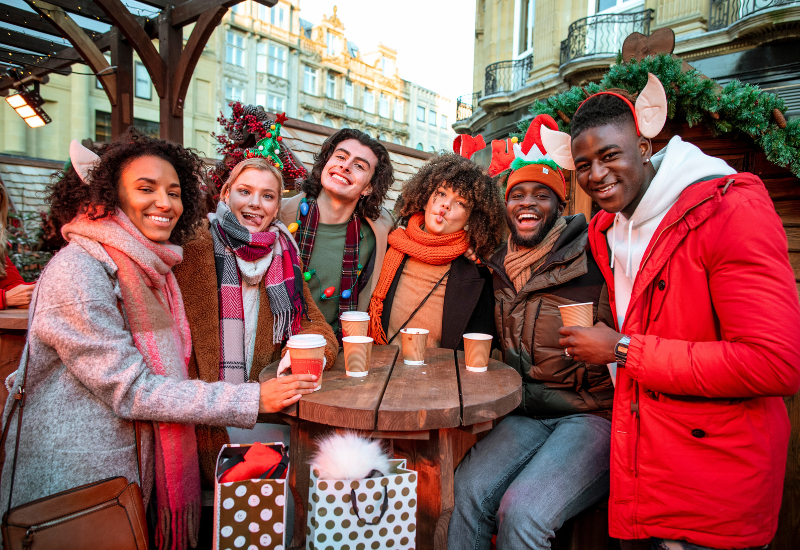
(706, 340)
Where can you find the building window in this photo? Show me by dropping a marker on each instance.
(382, 137)
(276, 16)
(432, 149)
(277, 61)
(444, 121)
(421, 114)
(235, 49)
(383, 105)
(97, 83)
(348, 92)
(261, 99)
(328, 122)
(369, 100)
(523, 25)
(261, 57)
(398, 110)
(143, 88)
(232, 94)
(420, 147)
(276, 104)
(398, 141)
(330, 86)
(308, 117)
(432, 118)
(332, 42)
(309, 80)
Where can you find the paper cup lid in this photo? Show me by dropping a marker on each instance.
(415, 331)
(354, 316)
(306, 341)
(357, 339)
(478, 336)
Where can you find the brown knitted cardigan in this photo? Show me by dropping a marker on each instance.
(197, 279)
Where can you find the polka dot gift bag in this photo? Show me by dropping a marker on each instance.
(250, 497)
(377, 512)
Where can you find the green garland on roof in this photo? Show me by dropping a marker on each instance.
(734, 108)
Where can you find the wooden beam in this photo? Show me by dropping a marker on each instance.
(87, 50)
(30, 43)
(190, 11)
(191, 55)
(86, 9)
(170, 44)
(122, 59)
(141, 42)
(161, 4)
(26, 19)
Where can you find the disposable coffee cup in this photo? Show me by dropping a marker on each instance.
(415, 341)
(354, 323)
(307, 352)
(577, 315)
(357, 353)
(477, 348)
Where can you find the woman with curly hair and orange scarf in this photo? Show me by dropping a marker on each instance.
(426, 282)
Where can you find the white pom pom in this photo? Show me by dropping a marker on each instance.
(349, 456)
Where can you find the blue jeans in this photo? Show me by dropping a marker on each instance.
(526, 478)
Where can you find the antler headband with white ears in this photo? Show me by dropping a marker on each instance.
(82, 159)
(649, 114)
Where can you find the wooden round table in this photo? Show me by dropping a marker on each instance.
(429, 414)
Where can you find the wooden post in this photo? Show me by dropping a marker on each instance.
(170, 44)
(122, 58)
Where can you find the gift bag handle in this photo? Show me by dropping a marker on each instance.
(384, 505)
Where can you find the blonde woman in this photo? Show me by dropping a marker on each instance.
(244, 295)
(14, 292)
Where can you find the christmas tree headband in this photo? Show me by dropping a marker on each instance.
(649, 115)
(250, 134)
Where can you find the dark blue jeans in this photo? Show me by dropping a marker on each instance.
(526, 478)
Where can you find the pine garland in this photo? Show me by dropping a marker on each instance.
(734, 108)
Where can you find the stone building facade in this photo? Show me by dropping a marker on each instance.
(257, 55)
(529, 49)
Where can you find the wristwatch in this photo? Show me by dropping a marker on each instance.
(621, 349)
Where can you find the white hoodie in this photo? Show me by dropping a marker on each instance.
(677, 166)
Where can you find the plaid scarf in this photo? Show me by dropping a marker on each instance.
(231, 242)
(153, 307)
(305, 240)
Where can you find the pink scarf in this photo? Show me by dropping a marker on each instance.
(153, 307)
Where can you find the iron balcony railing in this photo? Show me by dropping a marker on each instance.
(465, 105)
(726, 12)
(602, 34)
(507, 76)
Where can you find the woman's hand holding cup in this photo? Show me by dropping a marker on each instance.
(279, 393)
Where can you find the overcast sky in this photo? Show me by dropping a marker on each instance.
(434, 39)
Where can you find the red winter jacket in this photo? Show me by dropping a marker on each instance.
(699, 430)
(12, 280)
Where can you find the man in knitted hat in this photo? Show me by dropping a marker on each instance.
(549, 460)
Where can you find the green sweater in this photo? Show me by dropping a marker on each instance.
(327, 258)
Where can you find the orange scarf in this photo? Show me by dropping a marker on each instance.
(415, 242)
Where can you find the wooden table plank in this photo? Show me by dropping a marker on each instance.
(14, 319)
(488, 395)
(422, 397)
(346, 401)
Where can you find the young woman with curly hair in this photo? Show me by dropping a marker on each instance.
(342, 235)
(109, 341)
(448, 206)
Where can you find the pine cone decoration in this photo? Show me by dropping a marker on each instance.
(249, 110)
(261, 114)
(780, 120)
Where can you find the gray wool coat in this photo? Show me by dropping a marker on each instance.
(86, 382)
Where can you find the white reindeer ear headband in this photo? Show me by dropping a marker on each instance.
(649, 115)
(82, 159)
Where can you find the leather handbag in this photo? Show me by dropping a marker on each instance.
(104, 515)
